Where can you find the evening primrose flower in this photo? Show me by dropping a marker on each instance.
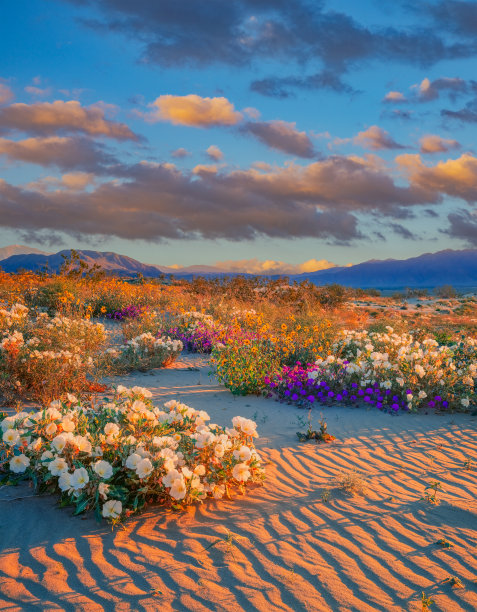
(11, 437)
(133, 460)
(103, 490)
(103, 469)
(57, 466)
(46, 455)
(243, 453)
(67, 424)
(19, 464)
(51, 429)
(465, 402)
(178, 490)
(144, 468)
(79, 478)
(59, 442)
(241, 472)
(64, 481)
(169, 478)
(112, 509)
(111, 430)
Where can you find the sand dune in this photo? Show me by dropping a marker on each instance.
(283, 547)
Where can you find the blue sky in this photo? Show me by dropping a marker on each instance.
(313, 158)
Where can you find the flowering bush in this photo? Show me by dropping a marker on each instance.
(198, 332)
(45, 357)
(128, 312)
(146, 352)
(115, 458)
(391, 371)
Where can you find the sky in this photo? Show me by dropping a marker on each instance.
(261, 134)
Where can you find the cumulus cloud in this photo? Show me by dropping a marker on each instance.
(376, 138)
(281, 136)
(255, 266)
(181, 153)
(463, 225)
(394, 97)
(153, 201)
(73, 181)
(193, 110)
(453, 177)
(431, 143)
(429, 90)
(48, 118)
(64, 152)
(215, 153)
(6, 94)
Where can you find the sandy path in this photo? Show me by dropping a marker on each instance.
(294, 551)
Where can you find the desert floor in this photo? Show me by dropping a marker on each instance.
(284, 546)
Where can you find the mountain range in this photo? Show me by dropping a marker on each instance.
(458, 268)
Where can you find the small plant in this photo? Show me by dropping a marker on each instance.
(352, 482)
(456, 583)
(325, 495)
(319, 436)
(469, 465)
(426, 602)
(430, 492)
(228, 542)
(444, 543)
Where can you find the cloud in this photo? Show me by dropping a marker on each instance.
(281, 136)
(430, 90)
(247, 32)
(394, 97)
(468, 114)
(281, 87)
(431, 143)
(463, 225)
(181, 153)
(453, 177)
(64, 152)
(193, 110)
(6, 94)
(255, 266)
(215, 153)
(153, 201)
(458, 16)
(48, 118)
(38, 92)
(376, 138)
(73, 181)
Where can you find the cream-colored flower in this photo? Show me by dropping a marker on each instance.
(59, 442)
(178, 490)
(112, 509)
(103, 490)
(11, 437)
(19, 464)
(64, 481)
(51, 429)
(243, 453)
(79, 478)
(111, 429)
(57, 466)
(133, 460)
(241, 472)
(144, 468)
(67, 424)
(103, 469)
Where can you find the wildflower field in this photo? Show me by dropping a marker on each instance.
(105, 448)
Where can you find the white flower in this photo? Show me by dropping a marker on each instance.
(46, 455)
(218, 491)
(57, 466)
(422, 394)
(111, 429)
(103, 490)
(64, 481)
(199, 470)
(144, 468)
(241, 472)
(103, 469)
(178, 489)
(79, 478)
(243, 453)
(112, 509)
(19, 464)
(68, 424)
(465, 402)
(133, 460)
(82, 444)
(72, 398)
(51, 429)
(59, 442)
(11, 437)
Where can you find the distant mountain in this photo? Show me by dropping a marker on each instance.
(112, 263)
(448, 267)
(19, 249)
(458, 268)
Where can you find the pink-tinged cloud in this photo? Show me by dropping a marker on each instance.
(181, 153)
(429, 90)
(394, 97)
(215, 153)
(255, 266)
(453, 177)
(194, 111)
(281, 136)
(48, 118)
(6, 94)
(65, 152)
(73, 181)
(431, 143)
(376, 139)
(152, 201)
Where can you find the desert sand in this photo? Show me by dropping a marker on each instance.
(294, 544)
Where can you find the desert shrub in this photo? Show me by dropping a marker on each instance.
(118, 456)
(146, 352)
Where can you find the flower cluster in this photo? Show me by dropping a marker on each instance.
(116, 457)
(128, 312)
(145, 352)
(391, 371)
